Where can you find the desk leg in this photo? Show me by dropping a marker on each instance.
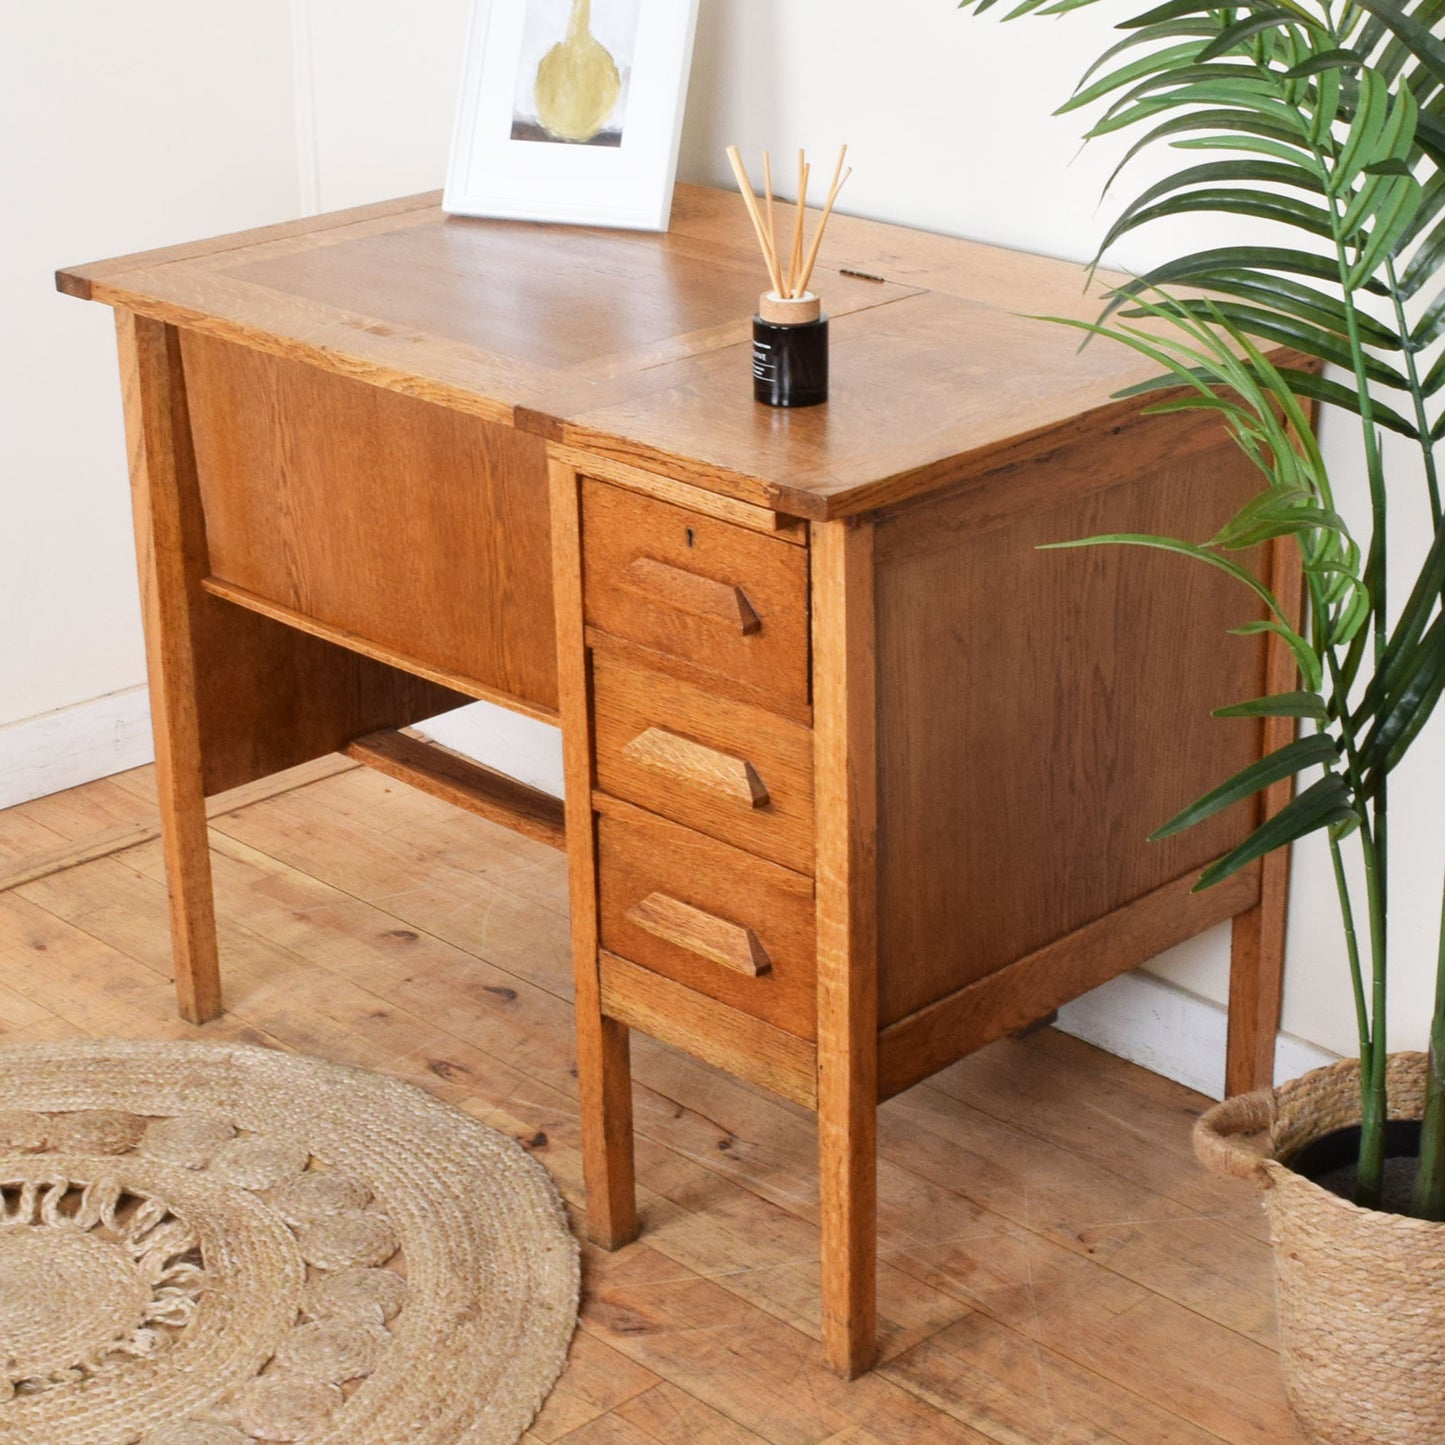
(168, 533)
(1256, 981)
(845, 770)
(604, 1069)
(1256, 966)
(604, 1078)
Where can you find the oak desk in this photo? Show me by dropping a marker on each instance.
(857, 779)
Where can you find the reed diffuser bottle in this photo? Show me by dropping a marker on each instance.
(790, 331)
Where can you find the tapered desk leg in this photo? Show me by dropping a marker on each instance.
(604, 1072)
(845, 787)
(169, 547)
(604, 1077)
(1256, 979)
(1256, 970)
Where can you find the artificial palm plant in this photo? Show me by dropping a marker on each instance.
(1325, 120)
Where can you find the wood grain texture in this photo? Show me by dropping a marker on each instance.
(376, 514)
(235, 696)
(699, 1025)
(463, 782)
(889, 766)
(725, 599)
(1096, 459)
(267, 696)
(719, 940)
(105, 841)
(458, 690)
(80, 281)
(499, 320)
(163, 508)
(845, 751)
(1256, 967)
(695, 499)
(1010, 998)
(926, 389)
(639, 854)
(506, 321)
(734, 779)
(708, 680)
(678, 590)
(604, 1068)
(731, 770)
(1042, 712)
(993, 276)
(1079, 1276)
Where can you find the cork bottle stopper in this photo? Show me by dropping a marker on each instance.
(789, 310)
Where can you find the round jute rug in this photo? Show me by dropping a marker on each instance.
(208, 1244)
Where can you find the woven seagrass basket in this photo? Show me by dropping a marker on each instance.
(1361, 1293)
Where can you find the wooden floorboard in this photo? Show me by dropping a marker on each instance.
(1054, 1267)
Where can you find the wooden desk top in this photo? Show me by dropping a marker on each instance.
(637, 346)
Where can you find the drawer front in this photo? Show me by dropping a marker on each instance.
(734, 772)
(736, 928)
(719, 596)
(728, 1039)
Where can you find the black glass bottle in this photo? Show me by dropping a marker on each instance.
(790, 351)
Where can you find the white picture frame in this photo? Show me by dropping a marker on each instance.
(519, 78)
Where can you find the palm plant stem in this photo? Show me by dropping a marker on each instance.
(1352, 941)
(1374, 841)
(1374, 1100)
(1428, 1197)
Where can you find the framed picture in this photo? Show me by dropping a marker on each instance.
(571, 110)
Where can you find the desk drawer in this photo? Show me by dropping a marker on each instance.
(719, 596)
(733, 927)
(732, 771)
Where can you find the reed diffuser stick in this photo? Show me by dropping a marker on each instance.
(839, 180)
(802, 258)
(797, 255)
(768, 190)
(751, 201)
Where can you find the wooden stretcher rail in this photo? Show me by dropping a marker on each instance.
(410, 758)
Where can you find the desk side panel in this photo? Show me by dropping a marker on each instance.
(265, 697)
(1041, 713)
(419, 529)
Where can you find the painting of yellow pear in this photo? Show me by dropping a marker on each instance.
(573, 75)
(571, 111)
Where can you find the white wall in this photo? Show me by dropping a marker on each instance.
(382, 87)
(948, 121)
(125, 127)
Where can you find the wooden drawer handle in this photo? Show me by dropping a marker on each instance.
(705, 934)
(687, 592)
(704, 767)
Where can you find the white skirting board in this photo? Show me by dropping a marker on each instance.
(74, 745)
(1173, 1032)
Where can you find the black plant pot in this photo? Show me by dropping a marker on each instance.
(1331, 1159)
